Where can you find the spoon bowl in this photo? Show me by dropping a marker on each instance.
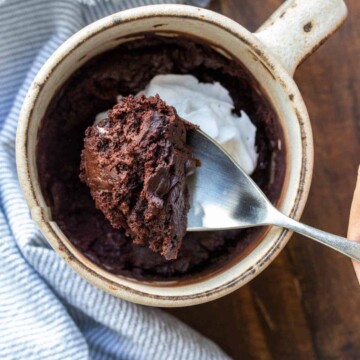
(222, 195)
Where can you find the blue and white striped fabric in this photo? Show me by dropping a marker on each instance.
(46, 310)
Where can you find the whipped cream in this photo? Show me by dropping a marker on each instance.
(209, 106)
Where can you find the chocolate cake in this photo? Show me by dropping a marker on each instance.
(92, 89)
(135, 163)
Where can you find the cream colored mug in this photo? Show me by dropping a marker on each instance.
(271, 55)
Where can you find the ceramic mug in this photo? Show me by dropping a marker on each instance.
(271, 55)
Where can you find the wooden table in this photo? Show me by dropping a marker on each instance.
(306, 305)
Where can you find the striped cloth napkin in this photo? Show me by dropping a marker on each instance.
(46, 310)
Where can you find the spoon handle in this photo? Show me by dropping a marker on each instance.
(345, 246)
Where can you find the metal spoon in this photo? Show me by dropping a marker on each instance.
(223, 197)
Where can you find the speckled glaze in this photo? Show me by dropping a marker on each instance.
(271, 55)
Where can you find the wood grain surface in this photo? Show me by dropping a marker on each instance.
(306, 305)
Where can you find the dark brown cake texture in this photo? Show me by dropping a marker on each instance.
(92, 89)
(135, 163)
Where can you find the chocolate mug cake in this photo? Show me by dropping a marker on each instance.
(92, 89)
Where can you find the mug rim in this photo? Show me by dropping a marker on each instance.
(136, 14)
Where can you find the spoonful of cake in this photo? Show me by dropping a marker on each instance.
(223, 196)
(136, 160)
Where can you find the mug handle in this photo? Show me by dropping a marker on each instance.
(298, 27)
